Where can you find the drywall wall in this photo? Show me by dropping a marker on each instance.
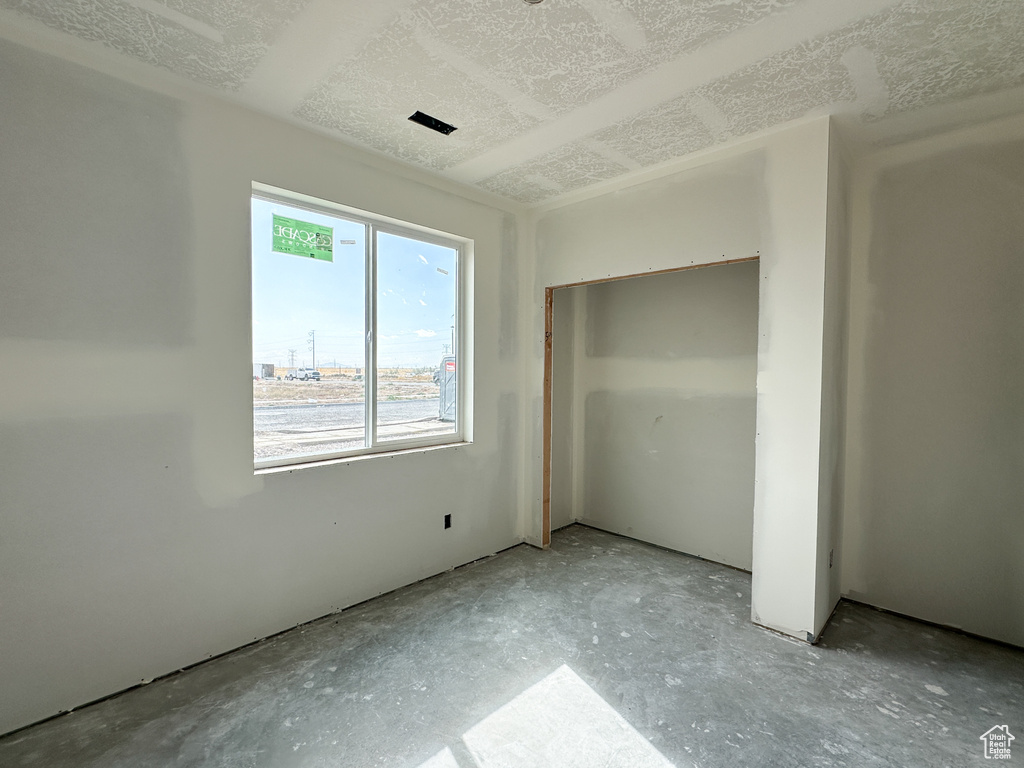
(789, 375)
(562, 416)
(933, 524)
(666, 389)
(766, 197)
(136, 538)
(833, 385)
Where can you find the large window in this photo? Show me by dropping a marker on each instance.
(356, 329)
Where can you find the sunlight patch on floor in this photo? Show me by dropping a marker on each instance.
(559, 722)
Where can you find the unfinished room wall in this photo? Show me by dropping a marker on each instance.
(789, 380)
(136, 537)
(766, 197)
(933, 524)
(563, 385)
(833, 385)
(667, 380)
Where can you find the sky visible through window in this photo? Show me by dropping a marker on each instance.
(297, 299)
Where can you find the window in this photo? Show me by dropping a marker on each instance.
(357, 324)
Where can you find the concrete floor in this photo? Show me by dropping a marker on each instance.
(506, 662)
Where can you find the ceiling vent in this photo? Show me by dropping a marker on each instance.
(432, 123)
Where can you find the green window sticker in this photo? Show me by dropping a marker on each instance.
(300, 238)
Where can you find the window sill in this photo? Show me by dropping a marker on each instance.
(346, 460)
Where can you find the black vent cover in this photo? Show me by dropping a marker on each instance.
(432, 123)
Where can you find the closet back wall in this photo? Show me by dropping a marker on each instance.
(664, 408)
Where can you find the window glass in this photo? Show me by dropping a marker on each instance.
(416, 308)
(354, 334)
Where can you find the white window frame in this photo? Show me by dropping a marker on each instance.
(376, 223)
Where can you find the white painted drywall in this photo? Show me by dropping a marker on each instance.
(579, 401)
(136, 538)
(789, 376)
(665, 373)
(933, 523)
(562, 393)
(766, 197)
(833, 386)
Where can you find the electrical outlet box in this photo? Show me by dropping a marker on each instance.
(447, 521)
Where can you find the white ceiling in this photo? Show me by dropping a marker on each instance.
(552, 98)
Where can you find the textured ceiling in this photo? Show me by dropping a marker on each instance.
(552, 98)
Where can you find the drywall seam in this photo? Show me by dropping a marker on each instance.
(727, 150)
(25, 31)
(993, 132)
(747, 46)
(964, 115)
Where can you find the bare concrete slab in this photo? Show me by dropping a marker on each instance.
(602, 646)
